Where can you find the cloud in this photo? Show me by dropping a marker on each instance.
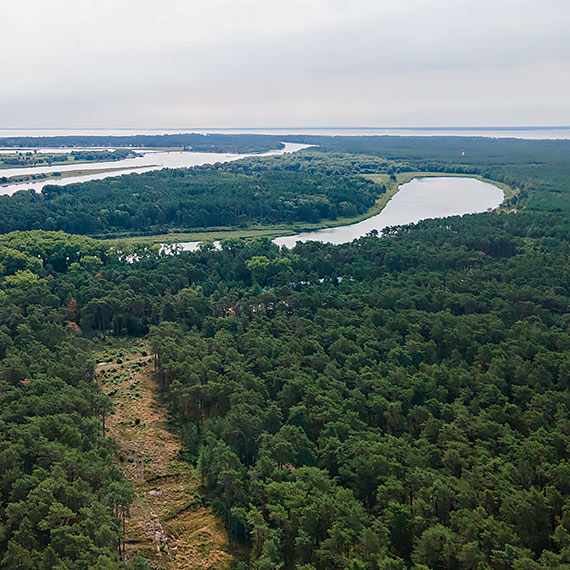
(273, 62)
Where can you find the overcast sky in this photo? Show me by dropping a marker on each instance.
(284, 63)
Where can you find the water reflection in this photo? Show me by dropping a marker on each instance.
(420, 199)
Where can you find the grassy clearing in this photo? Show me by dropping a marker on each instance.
(169, 523)
(211, 235)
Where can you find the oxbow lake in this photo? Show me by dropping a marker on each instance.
(419, 199)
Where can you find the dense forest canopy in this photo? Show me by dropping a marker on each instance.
(397, 402)
(60, 494)
(286, 189)
(386, 403)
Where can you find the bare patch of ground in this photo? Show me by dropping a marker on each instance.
(168, 524)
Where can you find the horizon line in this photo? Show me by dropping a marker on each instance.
(418, 128)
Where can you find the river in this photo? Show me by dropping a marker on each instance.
(148, 161)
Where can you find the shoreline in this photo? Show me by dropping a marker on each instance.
(284, 230)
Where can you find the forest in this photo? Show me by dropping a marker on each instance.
(392, 403)
(194, 141)
(542, 166)
(263, 191)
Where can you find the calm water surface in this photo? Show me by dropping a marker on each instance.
(150, 160)
(419, 199)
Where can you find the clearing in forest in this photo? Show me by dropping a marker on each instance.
(168, 524)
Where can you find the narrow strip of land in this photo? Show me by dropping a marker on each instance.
(168, 524)
(67, 174)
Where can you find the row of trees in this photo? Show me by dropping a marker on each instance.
(197, 142)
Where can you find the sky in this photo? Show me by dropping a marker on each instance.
(283, 63)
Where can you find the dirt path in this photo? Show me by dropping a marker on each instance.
(167, 524)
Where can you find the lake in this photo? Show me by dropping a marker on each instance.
(148, 161)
